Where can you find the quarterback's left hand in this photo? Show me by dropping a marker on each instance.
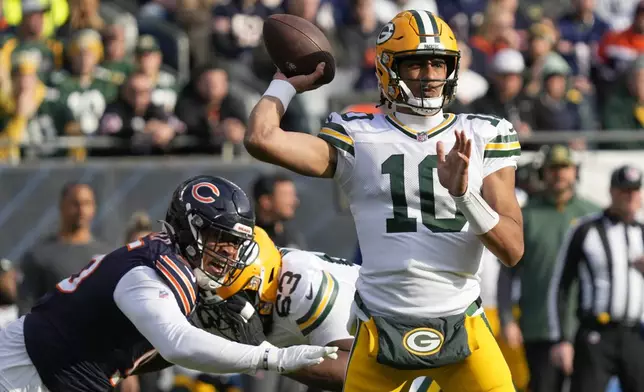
(453, 167)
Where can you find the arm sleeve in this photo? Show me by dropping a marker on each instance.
(336, 132)
(502, 150)
(146, 301)
(564, 274)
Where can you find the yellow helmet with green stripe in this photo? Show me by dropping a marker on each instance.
(261, 276)
(415, 33)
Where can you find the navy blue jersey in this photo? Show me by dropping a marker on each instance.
(76, 336)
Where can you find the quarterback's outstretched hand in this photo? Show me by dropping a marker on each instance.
(452, 168)
(303, 83)
(285, 360)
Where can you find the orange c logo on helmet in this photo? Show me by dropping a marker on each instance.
(206, 199)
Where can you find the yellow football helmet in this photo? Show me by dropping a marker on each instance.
(261, 276)
(415, 33)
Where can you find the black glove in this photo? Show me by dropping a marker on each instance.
(235, 319)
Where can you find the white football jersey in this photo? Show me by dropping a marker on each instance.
(419, 258)
(314, 299)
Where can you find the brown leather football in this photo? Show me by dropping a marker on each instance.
(297, 46)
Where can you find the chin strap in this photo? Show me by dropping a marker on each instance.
(204, 281)
(418, 104)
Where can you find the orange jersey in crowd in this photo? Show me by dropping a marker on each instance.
(621, 46)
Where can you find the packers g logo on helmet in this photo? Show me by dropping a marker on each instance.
(415, 33)
(386, 33)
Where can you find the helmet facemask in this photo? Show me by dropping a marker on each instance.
(220, 255)
(399, 93)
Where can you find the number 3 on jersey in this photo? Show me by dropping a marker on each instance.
(70, 284)
(394, 166)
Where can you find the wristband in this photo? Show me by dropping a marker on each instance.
(282, 90)
(265, 359)
(479, 214)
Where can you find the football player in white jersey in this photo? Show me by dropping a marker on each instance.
(427, 191)
(302, 296)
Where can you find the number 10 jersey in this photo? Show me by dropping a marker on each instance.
(419, 258)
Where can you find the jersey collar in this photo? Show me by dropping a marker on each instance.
(421, 128)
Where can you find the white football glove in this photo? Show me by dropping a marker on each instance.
(288, 359)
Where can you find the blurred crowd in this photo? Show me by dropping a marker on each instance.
(77, 80)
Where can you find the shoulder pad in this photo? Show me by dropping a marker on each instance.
(338, 129)
(353, 120)
(488, 126)
(174, 270)
(180, 279)
(312, 290)
(496, 133)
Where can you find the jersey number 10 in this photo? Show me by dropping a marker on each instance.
(402, 222)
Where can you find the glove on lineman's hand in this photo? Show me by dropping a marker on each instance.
(289, 359)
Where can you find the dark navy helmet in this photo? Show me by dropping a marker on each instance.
(211, 220)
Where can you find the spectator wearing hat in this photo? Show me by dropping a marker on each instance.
(604, 254)
(29, 37)
(624, 109)
(31, 113)
(547, 216)
(55, 13)
(149, 60)
(8, 292)
(115, 63)
(85, 91)
(559, 108)
(504, 97)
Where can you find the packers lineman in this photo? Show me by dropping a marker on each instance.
(302, 297)
(428, 190)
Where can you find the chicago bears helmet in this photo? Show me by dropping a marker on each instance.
(211, 221)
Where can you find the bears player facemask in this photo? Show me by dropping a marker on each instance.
(413, 36)
(259, 280)
(211, 221)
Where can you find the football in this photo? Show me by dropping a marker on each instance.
(296, 46)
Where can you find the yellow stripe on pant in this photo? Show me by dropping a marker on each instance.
(484, 370)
